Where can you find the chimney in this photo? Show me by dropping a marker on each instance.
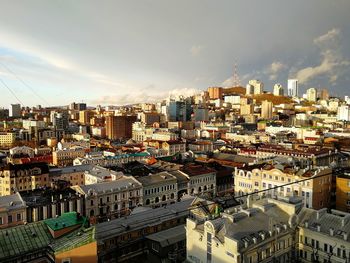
(306, 224)
(318, 228)
(345, 235)
(331, 231)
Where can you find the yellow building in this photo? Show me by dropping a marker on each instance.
(67, 156)
(7, 139)
(343, 192)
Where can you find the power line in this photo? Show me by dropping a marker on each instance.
(11, 91)
(234, 198)
(24, 83)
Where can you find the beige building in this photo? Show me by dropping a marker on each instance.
(315, 192)
(323, 236)
(266, 110)
(262, 232)
(247, 109)
(66, 157)
(7, 139)
(12, 210)
(174, 147)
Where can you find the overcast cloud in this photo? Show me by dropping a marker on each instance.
(120, 52)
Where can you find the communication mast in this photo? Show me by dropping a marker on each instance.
(236, 81)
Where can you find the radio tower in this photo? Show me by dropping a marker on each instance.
(236, 82)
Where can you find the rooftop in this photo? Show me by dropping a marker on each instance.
(156, 178)
(65, 220)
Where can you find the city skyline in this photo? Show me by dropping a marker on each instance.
(119, 54)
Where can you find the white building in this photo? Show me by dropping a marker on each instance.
(278, 90)
(344, 113)
(311, 95)
(15, 110)
(293, 89)
(258, 86)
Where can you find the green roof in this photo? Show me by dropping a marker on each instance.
(65, 220)
(15, 241)
(75, 239)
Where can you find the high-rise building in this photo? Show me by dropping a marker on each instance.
(249, 90)
(266, 109)
(85, 116)
(201, 114)
(343, 113)
(258, 86)
(15, 110)
(311, 95)
(278, 90)
(215, 92)
(60, 120)
(293, 89)
(118, 127)
(179, 110)
(324, 94)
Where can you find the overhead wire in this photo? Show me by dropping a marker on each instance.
(14, 94)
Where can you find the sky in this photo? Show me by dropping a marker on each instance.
(120, 52)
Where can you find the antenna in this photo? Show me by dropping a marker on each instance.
(236, 81)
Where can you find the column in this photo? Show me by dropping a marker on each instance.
(53, 209)
(44, 212)
(62, 208)
(79, 206)
(35, 214)
(71, 207)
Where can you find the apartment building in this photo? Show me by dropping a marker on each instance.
(66, 157)
(343, 191)
(315, 192)
(7, 139)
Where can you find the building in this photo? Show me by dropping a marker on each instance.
(343, 113)
(12, 210)
(164, 136)
(201, 146)
(247, 109)
(215, 92)
(118, 127)
(257, 85)
(315, 192)
(60, 120)
(174, 147)
(149, 118)
(98, 174)
(66, 157)
(23, 177)
(124, 239)
(85, 116)
(266, 110)
(179, 110)
(201, 114)
(15, 110)
(293, 89)
(63, 239)
(311, 95)
(323, 236)
(278, 90)
(261, 232)
(7, 139)
(159, 189)
(324, 94)
(111, 199)
(202, 179)
(343, 191)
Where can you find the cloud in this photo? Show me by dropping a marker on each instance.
(196, 50)
(333, 64)
(274, 69)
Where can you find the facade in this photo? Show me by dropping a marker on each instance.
(215, 92)
(111, 199)
(201, 146)
(159, 189)
(12, 210)
(343, 192)
(7, 139)
(311, 95)
(23, 177)
(15, 110)
(118, 127)
(66, 157)
(174, 147)
(164, 136)
(266, 110)
(278, 90)
(315, 192)
(343, 113)
(257, 85)
(293, 89)
(98, 174)
(202, 179)
(149, 118)
(262, 232)
(323, 236)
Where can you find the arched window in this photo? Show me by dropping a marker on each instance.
(157, 200)
(164, 198)
(172, 196)
(200, 189)
(148, 202)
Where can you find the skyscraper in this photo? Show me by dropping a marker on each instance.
(293, 89)
(15, 110)
(118, 127)
(266, 109)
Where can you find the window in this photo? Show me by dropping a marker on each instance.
(9, 219)
(66, 260)
(155, 246)
(1, 221)
(18, 217)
